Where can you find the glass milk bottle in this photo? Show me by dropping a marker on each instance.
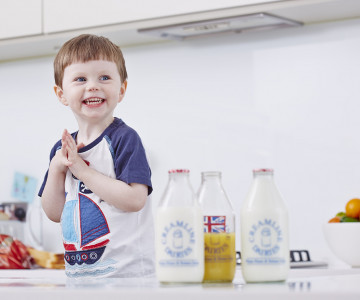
(264, 231)
(179, 232)
(219, 229)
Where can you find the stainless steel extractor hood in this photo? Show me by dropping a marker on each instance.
(237, 24)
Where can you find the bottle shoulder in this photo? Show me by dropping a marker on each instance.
(214, 199)
(264, 196)
(177, 196)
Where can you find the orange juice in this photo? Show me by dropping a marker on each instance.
(220, 256)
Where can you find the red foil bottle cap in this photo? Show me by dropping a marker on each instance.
(265, 170)
(179, 171)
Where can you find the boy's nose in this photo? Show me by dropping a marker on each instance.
(92, 86)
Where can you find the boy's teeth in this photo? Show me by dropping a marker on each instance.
(93, 101)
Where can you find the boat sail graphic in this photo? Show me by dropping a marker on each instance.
(85, 224)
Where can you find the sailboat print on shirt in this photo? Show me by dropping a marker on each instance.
(83, 231)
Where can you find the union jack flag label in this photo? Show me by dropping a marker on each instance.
(214, 224)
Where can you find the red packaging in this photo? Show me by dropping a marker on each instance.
(13, 254)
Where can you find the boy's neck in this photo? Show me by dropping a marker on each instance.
(88, 132)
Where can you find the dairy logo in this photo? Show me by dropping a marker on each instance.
(265, 237)
(216, 245)
(178, 239)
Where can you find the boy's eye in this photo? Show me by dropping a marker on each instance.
(104, 77)
(80, 79)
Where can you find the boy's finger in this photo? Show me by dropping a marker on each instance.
(70, 142)
(64, 134)
(63, 147)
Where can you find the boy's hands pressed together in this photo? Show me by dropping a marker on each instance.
(70, 152)
(60, 162)
(53, 197)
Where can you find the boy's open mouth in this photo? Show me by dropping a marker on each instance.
(93, 101)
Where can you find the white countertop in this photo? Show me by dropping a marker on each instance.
(303, 283)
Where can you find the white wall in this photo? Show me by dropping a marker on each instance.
(286, 99)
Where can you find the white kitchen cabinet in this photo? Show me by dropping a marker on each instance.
(20, 18)
(128, 22)
(64, 15)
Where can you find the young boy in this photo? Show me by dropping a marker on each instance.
(98, 181)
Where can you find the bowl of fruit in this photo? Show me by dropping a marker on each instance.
(342, 233)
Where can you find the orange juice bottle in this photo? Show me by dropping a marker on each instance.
(220, 262)
(219, 229)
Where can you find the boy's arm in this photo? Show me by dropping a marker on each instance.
(53, 196)
(127, 197)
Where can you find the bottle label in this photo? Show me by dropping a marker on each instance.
(178, 240)
(266, 239)
(216, 224)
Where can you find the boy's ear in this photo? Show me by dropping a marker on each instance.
(60, 94)
(122, 91)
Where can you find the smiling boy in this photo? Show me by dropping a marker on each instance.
(99, 181)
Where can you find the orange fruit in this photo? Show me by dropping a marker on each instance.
(352, 208)
(334, 220)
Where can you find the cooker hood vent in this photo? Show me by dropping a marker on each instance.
(238, 24)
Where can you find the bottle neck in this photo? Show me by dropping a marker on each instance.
(180, 178)
(178, 192)
(211, 178)
(211, 193)
(263, 174)
(263, 194)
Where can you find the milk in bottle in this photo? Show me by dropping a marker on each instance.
(264, 231)
(179, 232)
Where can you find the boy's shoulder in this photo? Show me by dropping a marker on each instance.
(120, 132)
(119, 129)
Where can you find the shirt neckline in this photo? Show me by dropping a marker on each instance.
(115, 123)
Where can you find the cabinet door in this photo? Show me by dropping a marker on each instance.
(62, 15)
(20, 18)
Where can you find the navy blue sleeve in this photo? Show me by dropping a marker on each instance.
(52, 154)
(130, 162)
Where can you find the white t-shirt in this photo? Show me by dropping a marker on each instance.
(99, 239)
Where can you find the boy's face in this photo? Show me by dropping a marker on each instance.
(92, 90)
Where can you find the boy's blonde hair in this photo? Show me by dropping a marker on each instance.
(84, 48)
